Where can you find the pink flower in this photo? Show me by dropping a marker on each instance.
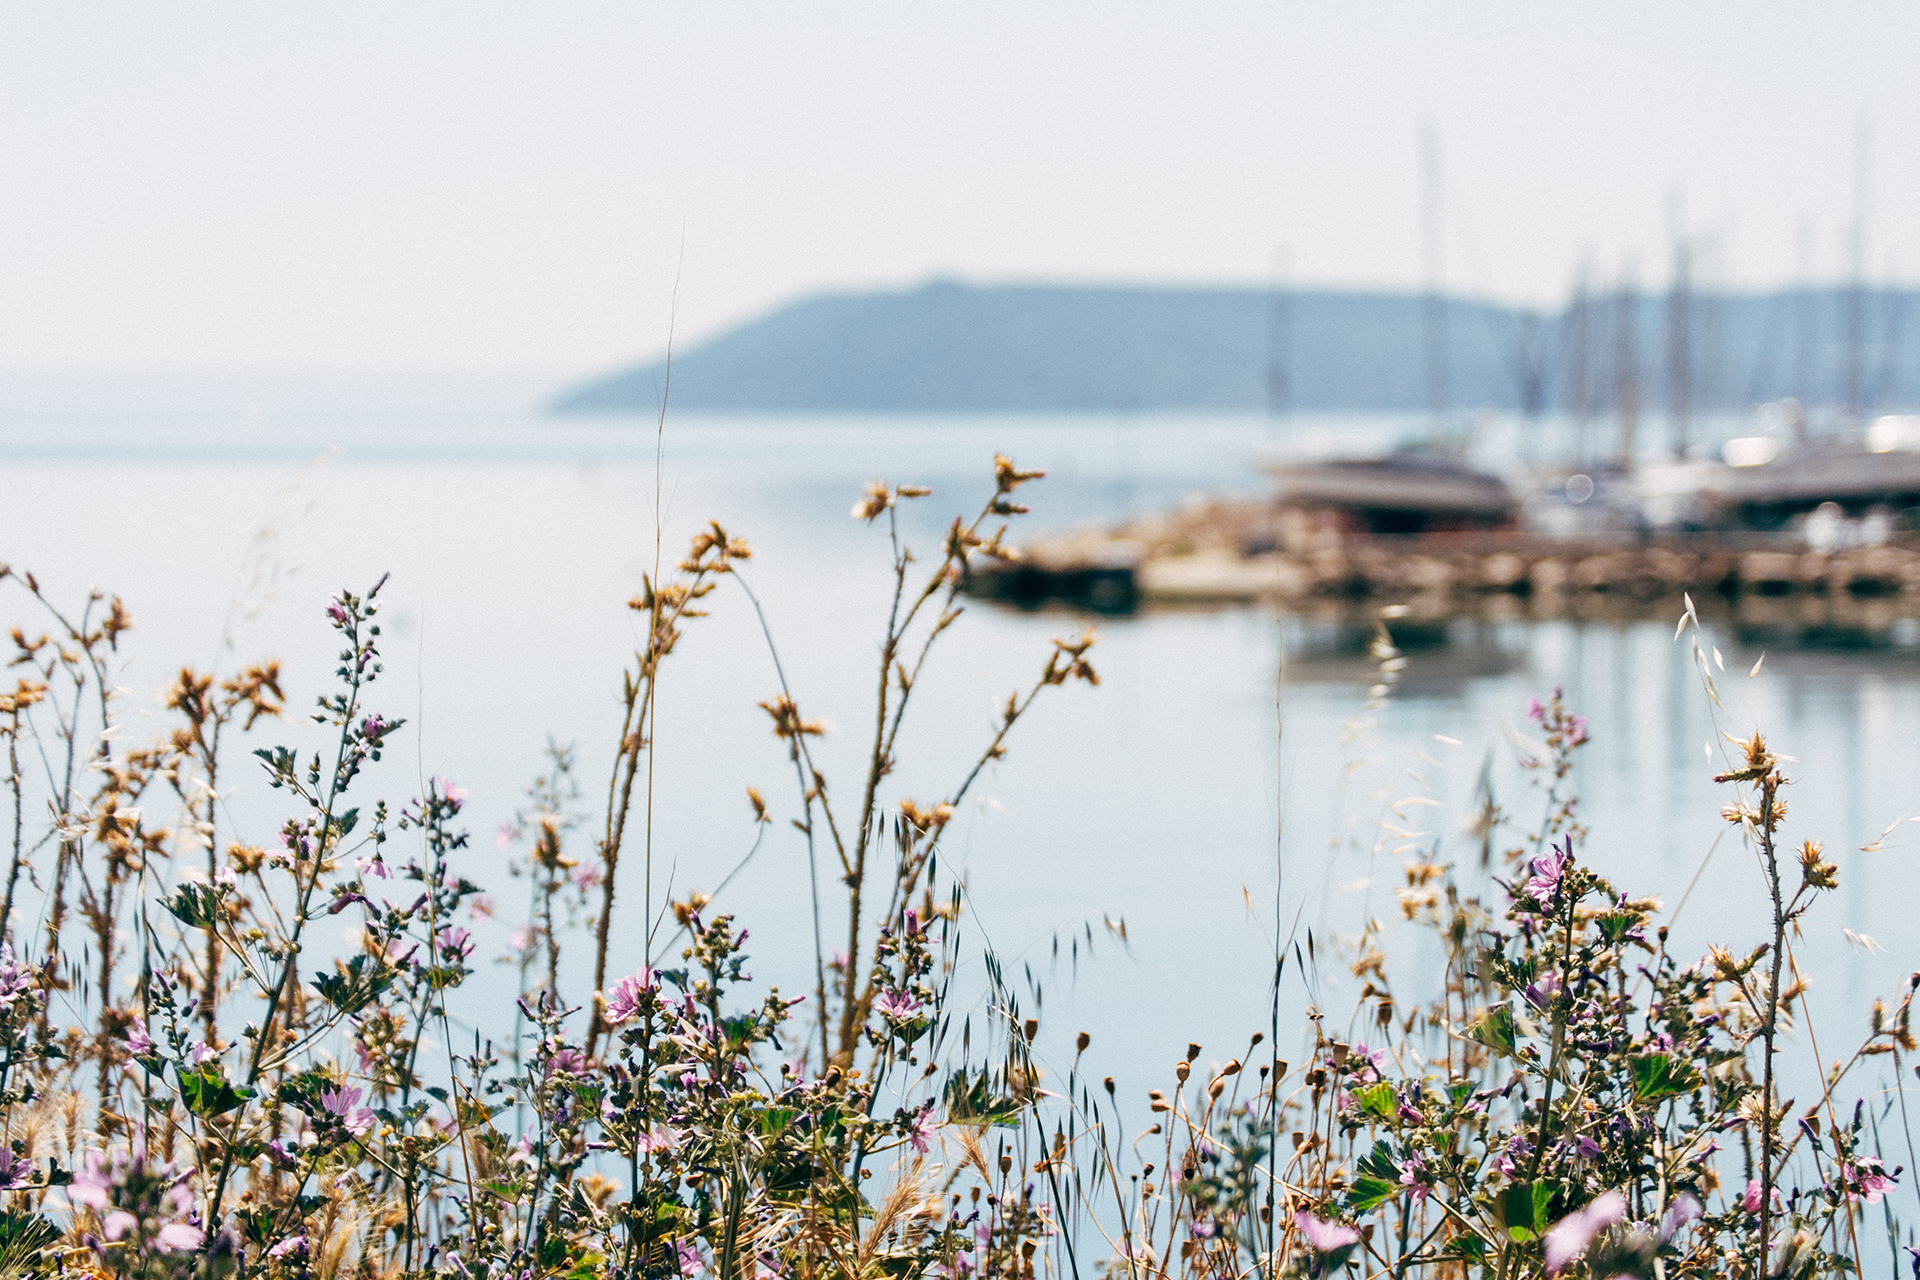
(585, 877)
(292, 1246)
(503, 836)
(1535, 711)
(623, 1002)
(898, 1006)
(139, 1043)
(344, 1106)
(567, 1061)
(452, 792)
(1751, 1200)
(924, 1127)
(1568, 1238)
(455, 941)
(481, 907)
(659, 1138)
(1325, 1237)
(521, 939)
(336, 611)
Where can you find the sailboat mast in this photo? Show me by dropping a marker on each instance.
(1680, 338)
(1626, 365)
(1857, 283)
(1435, 309)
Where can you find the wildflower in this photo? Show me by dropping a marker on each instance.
(687, 1254)
(337, 612)
(373, 867)
(373, 726)
(1413, 1172)
(1326, 1238)
(139, 1043)
(1535, 712)
(454, 941)
(523, 1154)
(1569, 1238)
(343, 1106)
(1751, 1200)
(481, 907)
(1546, 872)
(291, 1247)
(179, 1237)
(1684, 1209)
(924, 1127)
(503, 836)
(16, 979)
(657, 1139)
(1866, 1178)
(875, 500)
(898, 1006)
(448, 790)
(1576, 731)
(567, 1061)
(520, 940)
(585, 876)
(623, 1003)
(15, 1171)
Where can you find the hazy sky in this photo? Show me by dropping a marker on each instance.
(478, 186)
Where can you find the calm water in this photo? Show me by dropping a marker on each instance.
(1180, 796)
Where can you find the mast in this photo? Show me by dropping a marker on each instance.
(1279, 340)
(1435, 309)
(1892, 305)
(1856, 317)
(1626, 364)
(1577, 395)
(1680, 338)
(1804, 320)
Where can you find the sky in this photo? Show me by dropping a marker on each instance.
(552, 188)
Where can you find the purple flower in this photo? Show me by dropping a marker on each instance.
(455, 941)
(1569, 1238)
(450, 791)
(373, 726)
(567, 1061)
(337, 611)
(1325, 1237)
(179, 1237)
(1546, 870)
(898, 1006)
(687, 1254)
(15, 979)
(1576, 730)
(659, 1138)
(1866, 1179)
(15, 1171)
(924, 1127)
(139, 1043)
(1413, 1171)
(291, 1247)
(623, 1002)
(1536, 712)
(343, 1106)
(1684, 1209)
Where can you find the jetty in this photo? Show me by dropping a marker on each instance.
(1226, 550)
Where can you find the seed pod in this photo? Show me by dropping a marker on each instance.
(1183, 1070)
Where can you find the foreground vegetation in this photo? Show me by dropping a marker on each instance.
(193, 1084)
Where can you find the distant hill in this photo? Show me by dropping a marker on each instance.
(950, 347)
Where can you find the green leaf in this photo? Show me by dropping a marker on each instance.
(1659, 1075)
(1377, 1099)
(207, 1092)
(1371, 1193)
(195, 905)
(1494, 1029)
(1521, 1208)
(353, 985)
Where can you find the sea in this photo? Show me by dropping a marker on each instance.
(1240, 786)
